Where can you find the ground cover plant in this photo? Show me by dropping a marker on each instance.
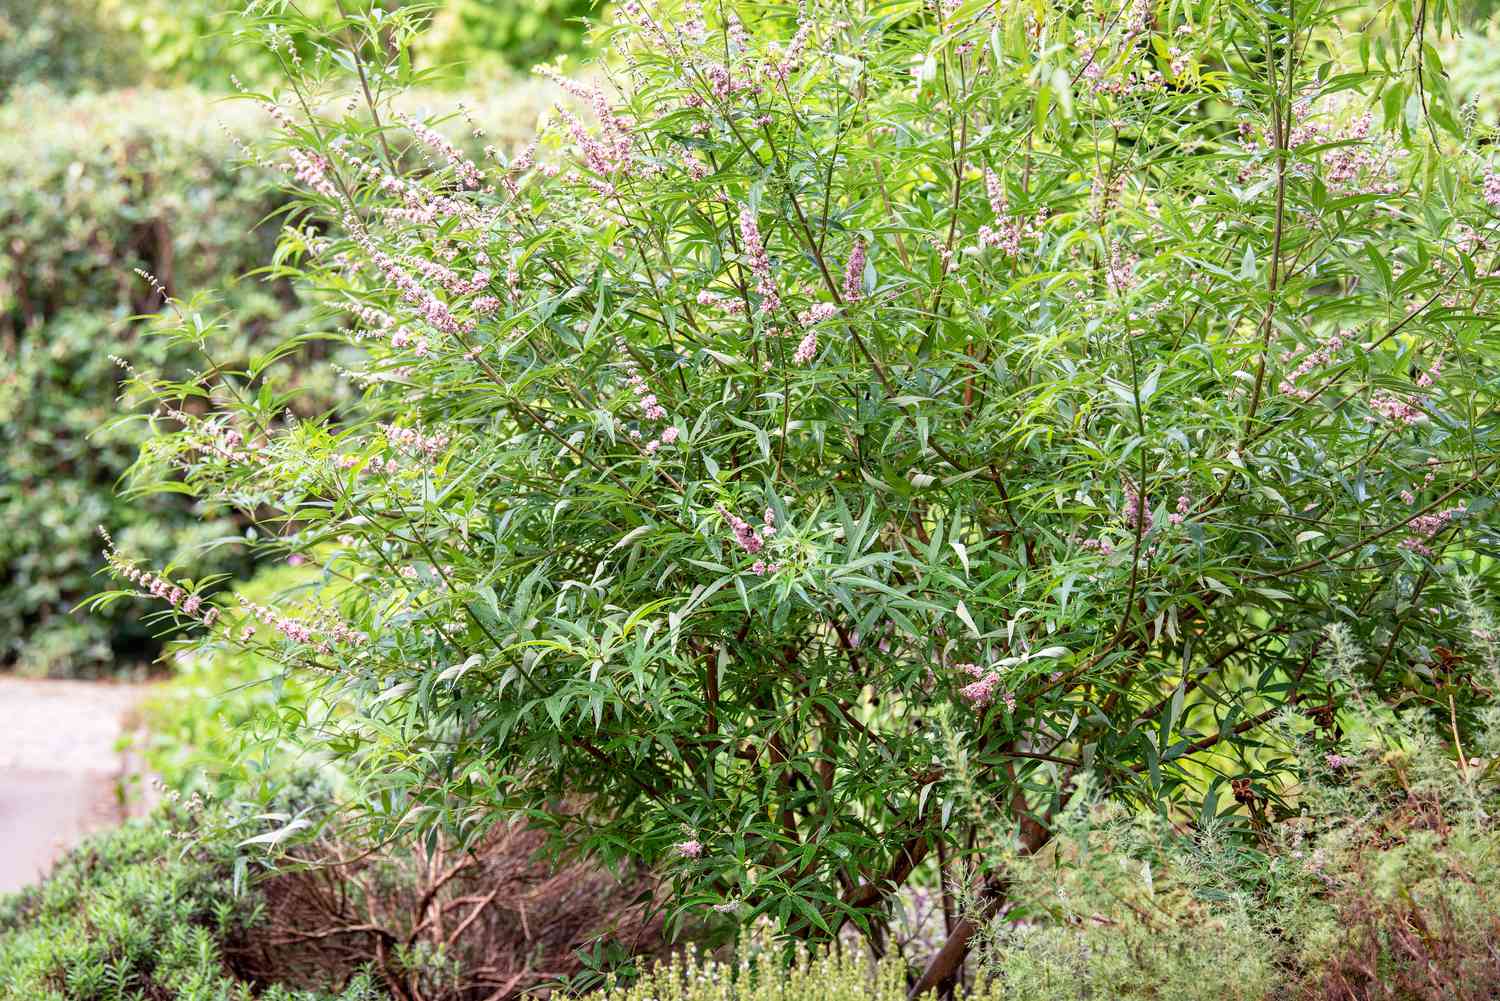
(135, 913)
(846, 412)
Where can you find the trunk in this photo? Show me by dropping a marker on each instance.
(942, 971)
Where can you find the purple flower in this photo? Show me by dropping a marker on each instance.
(745, 536)
(806, 349)
(854, 273)
(759, 262)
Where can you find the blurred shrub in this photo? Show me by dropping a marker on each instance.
(148, 180)
(130, 914)
(71, 45)
(475, 34)
(1472, 61)
(101, 187)
(203, 43)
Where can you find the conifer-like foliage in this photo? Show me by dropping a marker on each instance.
(833, 390)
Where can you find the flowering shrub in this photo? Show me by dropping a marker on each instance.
(851, 391)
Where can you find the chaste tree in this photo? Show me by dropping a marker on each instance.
(847, 416)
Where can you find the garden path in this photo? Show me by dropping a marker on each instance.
(60, 768)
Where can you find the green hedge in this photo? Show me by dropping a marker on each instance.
(72, 45)
(102, 186)
(95, 45)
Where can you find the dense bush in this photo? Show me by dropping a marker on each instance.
(892, 407)
(132, 914)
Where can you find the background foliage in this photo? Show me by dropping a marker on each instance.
(100, 189)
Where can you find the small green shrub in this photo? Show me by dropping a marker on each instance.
(133, 914)
(1383, 883)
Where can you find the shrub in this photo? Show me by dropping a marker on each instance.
(70, 45)
(1382, 885)
(103, 187)
(495, 920)
(130, 914)
(871, 400)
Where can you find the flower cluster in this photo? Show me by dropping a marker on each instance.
(311, 169)
(816, 313)
(807, 348)
(1393, 408)
(411, 441)
(982, 691)
(854, 273)
(651, 408)
(1425, 527)
(759, 262)
(157, 586)
(1009, 231)
(1136, 510)
(468, 173)
(745, 535)
(429, 306)
(1184, 506)
(319, 636)
(1119, 271)
(729, 304)
(1316, 358)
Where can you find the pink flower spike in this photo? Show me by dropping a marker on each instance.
(854, 273)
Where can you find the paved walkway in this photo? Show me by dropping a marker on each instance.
(59, 768)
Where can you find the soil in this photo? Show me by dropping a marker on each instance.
(62, 768)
